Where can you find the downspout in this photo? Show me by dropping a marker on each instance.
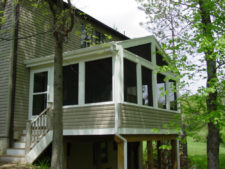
(116, 47)
(13, 74)
(119, 136)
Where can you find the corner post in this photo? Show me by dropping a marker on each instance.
(150, 155)
(174, 154)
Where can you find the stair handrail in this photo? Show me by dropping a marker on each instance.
(38, 127)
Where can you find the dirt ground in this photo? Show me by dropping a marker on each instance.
(17, 166)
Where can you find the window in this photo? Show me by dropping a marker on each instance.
(130, 81)
(172, 95)
(161, 88)
(99, 37)
(98, 81)
(143, 51)
(70, 84)
(40, 92)
(147, 98)
(89, 36)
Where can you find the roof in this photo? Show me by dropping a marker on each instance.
(90, 18)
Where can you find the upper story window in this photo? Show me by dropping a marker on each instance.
(143, 51)
(70, 84)
(98, 81)
(172, 95)
(130, 81)
(161, 88)
(147, 97)
(89, 36)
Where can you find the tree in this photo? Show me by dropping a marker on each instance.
(202, 25)
(63, 21)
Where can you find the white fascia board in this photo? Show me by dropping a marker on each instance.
(78, 132)
(138, 41)
(78, 55)
(146, 131)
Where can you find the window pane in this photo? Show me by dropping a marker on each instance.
(39, 103)
(70, 84)
(147, 87)
(172, 95)
(40, 82)
(130, 82)
(98, 81)
(161, 88)
(143, 51)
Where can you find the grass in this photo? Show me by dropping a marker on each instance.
(197, 154)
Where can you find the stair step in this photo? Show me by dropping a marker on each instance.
(12, 159)
(19, 145)
(15, 151)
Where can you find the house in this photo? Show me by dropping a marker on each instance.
(112, 93)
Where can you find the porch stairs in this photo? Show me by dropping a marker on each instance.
(33, 141)
(17, 154)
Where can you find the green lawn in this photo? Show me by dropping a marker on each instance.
(197, 154)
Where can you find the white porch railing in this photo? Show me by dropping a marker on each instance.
(38, 127)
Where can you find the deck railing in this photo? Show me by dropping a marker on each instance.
(38, 127)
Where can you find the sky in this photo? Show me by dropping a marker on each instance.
(121, 14)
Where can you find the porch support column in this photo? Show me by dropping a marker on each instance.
(174, 154)
(140, 157)
(120, 155)
(150, 155)
(121, 152)
(159, 155)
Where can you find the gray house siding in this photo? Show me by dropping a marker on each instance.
(6, 45)
(131, 116)
(91, 117)
(36, 41)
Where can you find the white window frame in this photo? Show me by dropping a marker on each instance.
(49, 91)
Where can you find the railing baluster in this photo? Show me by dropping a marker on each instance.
(37, 128)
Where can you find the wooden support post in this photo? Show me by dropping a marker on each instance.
(174, 154)
(120, 155)
(150, 155)
(159, 155)
(28, 137)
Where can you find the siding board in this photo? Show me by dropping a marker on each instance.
(101, 116)
(5, 66)
(139, 117)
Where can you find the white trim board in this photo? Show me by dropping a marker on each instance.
(79, 132)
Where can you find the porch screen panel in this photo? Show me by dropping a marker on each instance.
(147, 87)
(40, 92)
(172, 95)
(98, 81)
(70, 84)
(130, 81)
(161, 88)
(143, 51)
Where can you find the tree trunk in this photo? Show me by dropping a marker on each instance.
(213, 139)
(57, 144)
